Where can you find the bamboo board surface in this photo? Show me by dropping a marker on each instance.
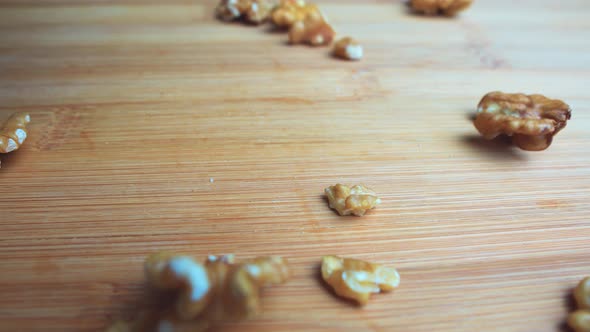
(157, 127)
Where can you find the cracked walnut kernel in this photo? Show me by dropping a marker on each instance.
(290, 11)
(206, 294)
(253, 11)
(14, 132)
(357, 280)
(348, 48)
(356, 200)
(436, 7)
(531, 120)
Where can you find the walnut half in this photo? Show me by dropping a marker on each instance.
(356, 200)
(313, 31)
(582, 294)
(208, 293)
(531, 120)
(436, 7)
(253, 11)
(579, 321)
(290, 11)
(357, 280)
(14, 132)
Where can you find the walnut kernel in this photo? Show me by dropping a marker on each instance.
(436, 7)
(356, 200)
(290, 11)
(348, 48)
(582, 294)
(206, 294)
(312, 31)
(357, 280)
(579, 321)
(531, 120)
(253, 11)
(14, 132)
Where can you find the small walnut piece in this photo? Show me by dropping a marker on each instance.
(348, 48)
(582, 294)
(356, 200)
(436, 7)
(14, 132)
(531, 120)
(206, 294)
(290, 11)
(357, 280)
(253, 11)
(579, 321)
(312, 31)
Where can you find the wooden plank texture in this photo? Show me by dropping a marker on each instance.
(136, 105)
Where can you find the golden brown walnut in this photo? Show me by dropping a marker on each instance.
(14, 132)
(579, 321)
(290, 11)
(582, 294)
(531, 120)
(357, 280)
(356, 200)
(206, 294)
(439, 7)
(315, 32)
(253, 11)
(348, 49)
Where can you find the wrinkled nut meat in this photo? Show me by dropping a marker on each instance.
(582, 294)
(315, 32)
(357, 280)
(290, 11)
(253, 11)
(531, 120)
(14, 132)
(206, 294)
(439, 7)
(348, 49)
(579, 321)
(356, 200)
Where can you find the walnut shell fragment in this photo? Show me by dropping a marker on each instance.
(14, 132)
(531, 120)
(357, 280)
(205, 294)
(356, 200)
(439, 7)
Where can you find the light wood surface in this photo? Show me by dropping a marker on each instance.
(136, 105)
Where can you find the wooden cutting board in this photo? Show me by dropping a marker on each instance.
(157, 127)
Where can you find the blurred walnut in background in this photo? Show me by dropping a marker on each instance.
(439, 7)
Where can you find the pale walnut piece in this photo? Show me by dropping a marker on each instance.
(356, 200)
(439, 7)
(531, 120)
(253, 11)
(582, 294)
(348, 49)
(14, 132)
(206, 294)
(290, 11)
(579, 321)
(357, 280)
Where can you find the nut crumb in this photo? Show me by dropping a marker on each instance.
(357, 280)
(531, 120)
(356, 200)
(439, 7)
(349, 49)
